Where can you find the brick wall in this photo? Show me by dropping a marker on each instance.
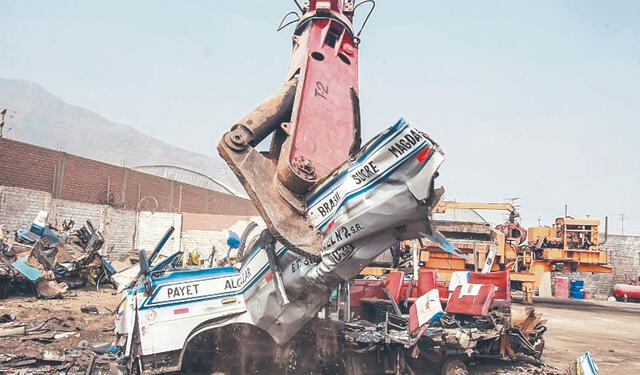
(79, 179)
(27, 166)
(624, 258)
(86, 180)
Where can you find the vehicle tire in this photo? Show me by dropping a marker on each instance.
(453, 366)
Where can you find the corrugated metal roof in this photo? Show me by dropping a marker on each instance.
(464, 215)
(190, 177)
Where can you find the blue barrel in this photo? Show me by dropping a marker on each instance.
(578, 284)
(576, 291)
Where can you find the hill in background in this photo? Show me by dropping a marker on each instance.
(43, 119)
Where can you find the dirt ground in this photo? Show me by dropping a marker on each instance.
(63, 318)
(609, 330)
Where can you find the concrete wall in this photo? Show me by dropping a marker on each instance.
(61, 210)
(19, 207)
(203, 232)
(123, 230)
(624, 258)
(203, 241)
(153, 225)
(119, 231)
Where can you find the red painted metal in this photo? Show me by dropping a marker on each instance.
(181, 311)
(500, 280)
(314, 120)
(322, 122)
(361, 288)
(561, 289)
(474, 305)
(393, 283)
(630, 291)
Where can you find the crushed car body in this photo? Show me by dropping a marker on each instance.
(384, 195)
(46, 261)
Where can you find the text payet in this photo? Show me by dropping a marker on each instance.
(182, 291)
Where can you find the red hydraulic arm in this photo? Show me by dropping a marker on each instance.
(314, 121)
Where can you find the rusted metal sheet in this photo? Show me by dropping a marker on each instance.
(257, 174)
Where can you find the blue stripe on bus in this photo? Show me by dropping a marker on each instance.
(373, 183)
(148, 303)
(386, 138)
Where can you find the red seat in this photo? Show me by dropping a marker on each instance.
(430, 309)
(471, 299)
(427, 280)
(366, 289)
(393, 284)
(500, 280)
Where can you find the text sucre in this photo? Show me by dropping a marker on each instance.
(365, 172)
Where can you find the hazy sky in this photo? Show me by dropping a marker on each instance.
(535, 99)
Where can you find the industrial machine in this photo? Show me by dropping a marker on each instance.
(330, 207)
(314, 124)
(570, 242)
(570, 245)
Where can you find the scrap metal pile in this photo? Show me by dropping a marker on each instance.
(477, 321)
(493, 335)
(47, 261)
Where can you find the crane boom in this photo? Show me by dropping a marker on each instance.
(443, 206)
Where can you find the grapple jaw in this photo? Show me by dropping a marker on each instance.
(285, 219)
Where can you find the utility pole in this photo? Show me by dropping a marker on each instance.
(3, 112)
(516, 207)
(622, 222)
